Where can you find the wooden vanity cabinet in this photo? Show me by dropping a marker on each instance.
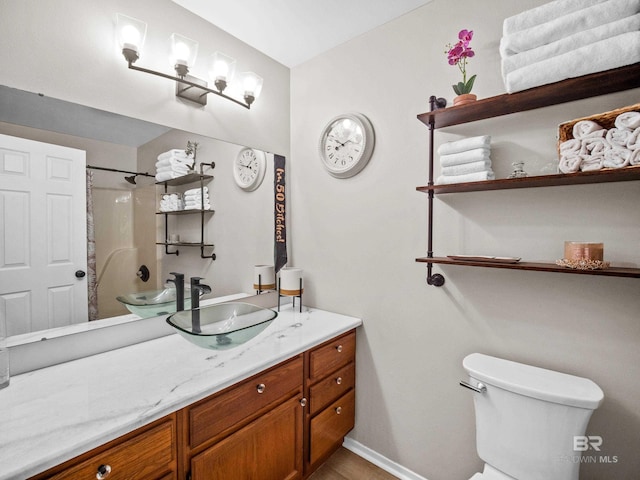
(254, 427)
(148, 453)
(279, 424)
(330, 382)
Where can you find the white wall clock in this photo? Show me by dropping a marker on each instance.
(346, 144)
(249, 168)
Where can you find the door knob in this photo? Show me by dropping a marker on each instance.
(80, 273)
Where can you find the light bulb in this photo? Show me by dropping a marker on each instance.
(130, 37)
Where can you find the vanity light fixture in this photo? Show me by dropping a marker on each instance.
(130, 34)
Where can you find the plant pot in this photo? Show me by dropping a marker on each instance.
(464, 99)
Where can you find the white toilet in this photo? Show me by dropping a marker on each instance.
(527, 417)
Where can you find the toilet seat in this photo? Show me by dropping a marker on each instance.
(490, 473)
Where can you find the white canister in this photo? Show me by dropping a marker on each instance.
(291, 281)
(264, 277)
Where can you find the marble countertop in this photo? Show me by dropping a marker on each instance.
(53, 414)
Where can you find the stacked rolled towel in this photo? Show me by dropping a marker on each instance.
(173, 164)
(568, 38)
(466, 160)
(171, 202)
(593, 147)
(197, 198)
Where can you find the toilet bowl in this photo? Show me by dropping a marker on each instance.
(527, 418)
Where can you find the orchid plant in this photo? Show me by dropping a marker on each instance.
(457, 55)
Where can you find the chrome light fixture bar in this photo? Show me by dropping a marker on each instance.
(130, 37)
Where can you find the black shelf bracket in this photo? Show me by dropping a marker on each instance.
(436, 280)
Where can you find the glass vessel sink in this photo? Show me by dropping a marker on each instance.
(223, 325)
(154, 302)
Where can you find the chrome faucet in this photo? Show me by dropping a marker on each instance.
(196, 289)
(179, 283)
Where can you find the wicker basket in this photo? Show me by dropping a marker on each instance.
(606, 120)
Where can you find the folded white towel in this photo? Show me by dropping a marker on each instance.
(171, 162)
(571, 147)
(564, 45)
(566, 25)
(628, 120)
(591, 163)
(469, 177)
(614, 52)
(465, 168)
(196, 191)
(469, 156)
(183, 170)
(588, 128)
(617, 157)
(634, 140)
(175, 153)
(469, 143)
(594, 145)
(570, 163)
(618, 138)
(189, 198)
(634, 159)
(164, 176)
(196, 207)
(544, 13)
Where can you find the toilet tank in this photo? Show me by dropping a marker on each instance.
(527, 418)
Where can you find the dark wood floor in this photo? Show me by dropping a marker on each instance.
(346, 465)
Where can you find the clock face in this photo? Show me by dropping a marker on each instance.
(346, 145)
(249, 168)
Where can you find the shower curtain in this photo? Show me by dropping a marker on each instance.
(92, 284)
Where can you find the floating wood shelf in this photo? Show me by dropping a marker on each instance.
(539, 267)
(601, 83)
(603, 176)
(185, 212)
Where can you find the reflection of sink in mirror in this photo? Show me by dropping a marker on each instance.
(223, 325)
(155, 302)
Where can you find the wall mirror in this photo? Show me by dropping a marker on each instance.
(125, 209)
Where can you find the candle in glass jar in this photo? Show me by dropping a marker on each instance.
(583, 251)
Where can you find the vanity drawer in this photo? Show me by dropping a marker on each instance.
(223, 410)
(329, 427)
(332, 387)
(331, 356)
(148, 455)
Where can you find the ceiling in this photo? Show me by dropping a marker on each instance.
(294, 31)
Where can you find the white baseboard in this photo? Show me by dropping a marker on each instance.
(380, 461)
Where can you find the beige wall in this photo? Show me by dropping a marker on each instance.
(66, 49)
(357, 240)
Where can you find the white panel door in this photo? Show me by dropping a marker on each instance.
(43, 236)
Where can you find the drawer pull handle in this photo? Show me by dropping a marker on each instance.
(338, 410)
(339, 380)
(261, 387)
(339, 348)
(103, 471)
(303, 402)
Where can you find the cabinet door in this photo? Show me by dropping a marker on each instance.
(270, 448)
(329, 427)
(147, 456)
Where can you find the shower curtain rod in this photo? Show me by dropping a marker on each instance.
(118, 171)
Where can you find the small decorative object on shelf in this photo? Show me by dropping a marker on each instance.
(457, 55)
(264, 278)
(583, 264)
(518, 171)
(583, 256)
(290, 285)
(192, 151)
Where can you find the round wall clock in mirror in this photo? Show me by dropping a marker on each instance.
(346, 144)
(249, 168)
